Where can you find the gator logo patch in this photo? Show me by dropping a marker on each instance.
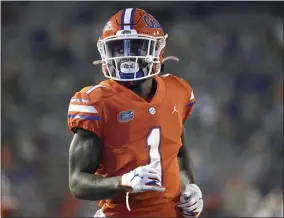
(151, 22)
(125, 116)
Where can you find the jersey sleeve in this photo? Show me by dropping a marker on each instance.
(191, 101)
(85, 111)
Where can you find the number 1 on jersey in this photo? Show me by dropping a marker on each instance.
(153, 141)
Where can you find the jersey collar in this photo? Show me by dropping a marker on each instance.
(157, 98)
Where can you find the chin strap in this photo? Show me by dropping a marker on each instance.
(170, 58)
(127, 201)
(97, 62)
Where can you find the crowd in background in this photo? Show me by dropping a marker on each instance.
(231, 55)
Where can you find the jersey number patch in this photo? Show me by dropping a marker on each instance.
(153, 142)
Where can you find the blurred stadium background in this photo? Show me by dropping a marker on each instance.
(230, 52)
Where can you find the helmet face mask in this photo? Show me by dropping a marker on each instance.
(131, 52)
(127, 47)
(129, 57)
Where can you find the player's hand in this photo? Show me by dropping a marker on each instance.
(142, 179)
(191, 202)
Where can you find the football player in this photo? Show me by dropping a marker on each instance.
(128, 130)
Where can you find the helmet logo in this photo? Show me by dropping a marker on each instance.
(151, 22)
(129, 67)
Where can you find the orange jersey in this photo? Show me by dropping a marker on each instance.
(135, 133)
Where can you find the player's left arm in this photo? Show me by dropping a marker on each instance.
(185, 163)
(191, 201)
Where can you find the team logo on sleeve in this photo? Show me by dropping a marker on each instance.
(125, 116)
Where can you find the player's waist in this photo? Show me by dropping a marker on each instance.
(150, 198)
(144, 198)
(153, 208)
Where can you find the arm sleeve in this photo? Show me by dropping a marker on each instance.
(86, 112)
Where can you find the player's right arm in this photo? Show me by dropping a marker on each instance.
(84, 158)
(86, 120)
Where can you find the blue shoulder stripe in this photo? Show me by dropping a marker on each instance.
(83, 117)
